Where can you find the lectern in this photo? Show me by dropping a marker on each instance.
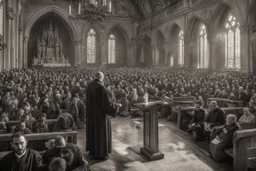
(150, 147)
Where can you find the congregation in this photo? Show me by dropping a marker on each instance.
(33, 96)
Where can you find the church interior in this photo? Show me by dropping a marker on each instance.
(182, 70)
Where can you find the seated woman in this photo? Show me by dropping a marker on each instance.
(223, 139)
(247, 116)
(197, 123)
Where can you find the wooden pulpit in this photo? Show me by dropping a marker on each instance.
(150, 147)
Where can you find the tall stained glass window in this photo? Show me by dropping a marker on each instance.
(111, 49)
(171, 61)
(203, 61)
(110, 6)
(104, 2)
(232, 43)
(181, 49)
(1, 17)
(91, 47)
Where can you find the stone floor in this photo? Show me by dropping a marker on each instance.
(181, 152)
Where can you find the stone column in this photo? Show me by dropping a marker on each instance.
(104, 53)
(213, 58)
(153, 51)
(134, 52)
(20, 56)
(77, 52)
(187, 52)
(167, 48)
(25, 52)
(253, 46)
(245, 50)
(130, 54)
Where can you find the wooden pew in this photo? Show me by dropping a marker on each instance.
(226, 102)
(186, 114)
(36, 141)
(192, 98)
(251, 158)
(50, 122)
(242, 140)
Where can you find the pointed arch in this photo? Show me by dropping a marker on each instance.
(120, 28)
(177, 45)
(59, 11)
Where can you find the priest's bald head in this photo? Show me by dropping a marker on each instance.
(99, 75)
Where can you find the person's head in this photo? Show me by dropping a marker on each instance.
(21, 125)
(198, 104)
(231, 118)
(246, 111)
(67, 155)
(213, 105)
(100, 76)
(19, 143)
(59, 142)
(240, 89)
(57, 164)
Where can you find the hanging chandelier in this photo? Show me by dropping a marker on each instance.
(91, 11)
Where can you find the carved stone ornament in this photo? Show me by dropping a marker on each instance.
(10, 13)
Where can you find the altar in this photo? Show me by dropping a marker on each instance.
(50, 49)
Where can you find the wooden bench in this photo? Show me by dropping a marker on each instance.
(185, 115)
(50, 123)
(251, 158)
(242, 140)
(226, 102)
(192, 98)
(36, 141)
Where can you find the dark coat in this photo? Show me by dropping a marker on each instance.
(199, 116)
(78, 161)
(31, 161)
(64, 121)
(216, 117)
(98, 124)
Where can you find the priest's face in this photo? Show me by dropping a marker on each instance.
(19, 145)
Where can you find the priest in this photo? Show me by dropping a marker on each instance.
(99, 108)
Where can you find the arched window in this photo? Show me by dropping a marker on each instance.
(171, 61)
(104, 2)
(203, 61)
(232, 43)
(181, 49)
(1, 17)
(110, 6)
(91, 47)
(111, 49)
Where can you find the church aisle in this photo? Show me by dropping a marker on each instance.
(181, 152)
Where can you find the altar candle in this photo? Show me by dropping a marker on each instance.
(79, 8)
(69, 10)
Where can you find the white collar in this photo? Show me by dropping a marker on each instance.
(20, 155)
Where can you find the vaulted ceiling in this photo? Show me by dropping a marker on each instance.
(147, 7)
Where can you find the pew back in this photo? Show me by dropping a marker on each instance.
(37, 141)
(50, 123)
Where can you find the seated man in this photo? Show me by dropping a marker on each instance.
(197, 123)
(76, 161)
(21, 127)
(3, 128)
(64, 121)
(21, 158)
(247, 116)
(215, 118)
(223, 139)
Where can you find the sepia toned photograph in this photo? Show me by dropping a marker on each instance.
(127, 85)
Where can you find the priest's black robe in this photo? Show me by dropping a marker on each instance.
(31, 161)
(98, 124)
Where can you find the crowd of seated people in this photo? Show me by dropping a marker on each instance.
(60, 156)
(27, 93)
